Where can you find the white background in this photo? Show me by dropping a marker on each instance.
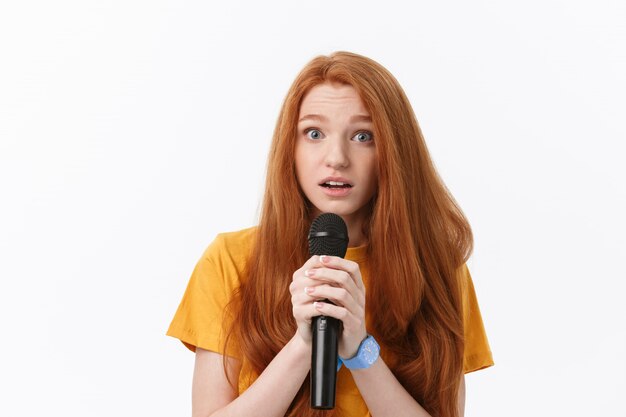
(134, 131)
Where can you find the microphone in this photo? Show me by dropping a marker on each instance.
(328, 236)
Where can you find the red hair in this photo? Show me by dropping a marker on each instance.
(415, 312)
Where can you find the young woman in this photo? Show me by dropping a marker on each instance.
(346, 142)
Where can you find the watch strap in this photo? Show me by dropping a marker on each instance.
(368, 353)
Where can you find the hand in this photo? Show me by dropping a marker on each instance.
(340, 281)
(302, 303)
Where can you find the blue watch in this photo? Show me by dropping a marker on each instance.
(366, 355)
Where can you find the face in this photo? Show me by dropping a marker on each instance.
(335, 156)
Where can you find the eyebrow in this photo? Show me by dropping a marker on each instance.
(321, 118)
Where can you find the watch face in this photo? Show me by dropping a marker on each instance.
(370, 351)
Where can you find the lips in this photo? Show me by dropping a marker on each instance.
(336, 182)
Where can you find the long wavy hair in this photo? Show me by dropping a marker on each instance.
(415, 311)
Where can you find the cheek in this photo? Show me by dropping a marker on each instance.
(305, 161)
(302, 166)
(297, 156)
(371, 173)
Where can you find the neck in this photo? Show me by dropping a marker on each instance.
(355, 232)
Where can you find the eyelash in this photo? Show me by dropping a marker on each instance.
(306, 132)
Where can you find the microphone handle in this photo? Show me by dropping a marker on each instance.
(324, 361)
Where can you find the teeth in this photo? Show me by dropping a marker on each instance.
(334, 183)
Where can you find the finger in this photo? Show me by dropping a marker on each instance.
(312, 262)
(303, 292)
(303, 313)
(336, 277)
(307, 312)
(338, 296)
(351, 267)
(298, 285)
(339, 278)
(351, 323)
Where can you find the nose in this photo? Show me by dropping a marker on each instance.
(336, 154)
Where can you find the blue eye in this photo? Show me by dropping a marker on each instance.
(363, 137)
(317, 134)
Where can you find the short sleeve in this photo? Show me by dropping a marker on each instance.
(201, 319)
(477, 354)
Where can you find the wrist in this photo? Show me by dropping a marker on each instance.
(366, 355)
(351, 354)
(299, 346)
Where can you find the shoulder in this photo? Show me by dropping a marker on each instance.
(477, 350)
(238, 238)
(231, 248)
(463, 276)
(467, 288)
(236, 242)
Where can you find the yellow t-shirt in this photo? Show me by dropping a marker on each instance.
(200, 315)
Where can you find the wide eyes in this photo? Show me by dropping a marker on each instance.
(362, 136)
(313, 134)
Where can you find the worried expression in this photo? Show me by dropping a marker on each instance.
(335, 155)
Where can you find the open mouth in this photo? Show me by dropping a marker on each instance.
(335, 185)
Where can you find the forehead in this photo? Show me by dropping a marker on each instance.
(333, 97)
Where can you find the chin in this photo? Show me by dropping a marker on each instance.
(338, 207)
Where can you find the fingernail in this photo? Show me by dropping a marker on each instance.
(309, 272)
(324, 258)
(318, 305)
(308, 290)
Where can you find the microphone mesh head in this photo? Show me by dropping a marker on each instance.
(328, 236)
